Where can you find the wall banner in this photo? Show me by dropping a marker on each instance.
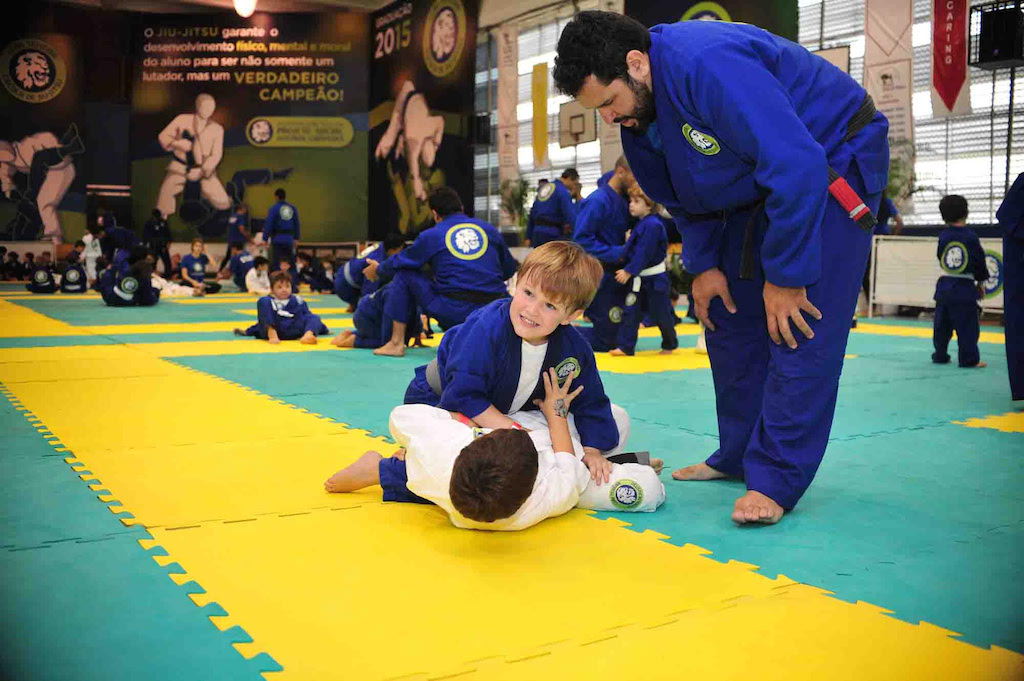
(226, 110)
(539, 91)
(951, 83)
(507, 36)
(422, 72)
(889, 71)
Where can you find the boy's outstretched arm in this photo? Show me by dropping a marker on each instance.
(555, 407)
(492, 418)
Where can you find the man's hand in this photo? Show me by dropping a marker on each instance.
(622, 276)
(370, 271)
(782, 305)
(600, 468)
(706, 286)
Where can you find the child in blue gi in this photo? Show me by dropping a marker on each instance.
(349, 281)
(193, 268)
(491, 365)
(372, 327)
(74, 279)
(469, 261)
(497, 479)
(311, 271)
(646, 276)
(240, 261)
(131, 287)
(552, 216)
(41, 280)
(958, 290)
(281, 231)
(284, 316)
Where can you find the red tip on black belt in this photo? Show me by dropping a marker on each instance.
(858, 211)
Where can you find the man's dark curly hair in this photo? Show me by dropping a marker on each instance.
(595, 43)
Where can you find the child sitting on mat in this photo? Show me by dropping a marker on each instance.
(257, 280)
(284, 316)
(503, 479)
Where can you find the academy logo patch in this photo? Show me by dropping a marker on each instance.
(706, 11)
(615, 314)
(72, 275)
(545, 192)
(954, 258)
(570, 366)
(466, 241)
(444, 37)
(40, 276)
(994, 283)
(129, 285)
(630, 299)
(626, 495)
(701, 141)
(197, 267)
(32, 71)
(287, 212)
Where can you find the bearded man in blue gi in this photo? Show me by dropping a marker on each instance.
(742, 136)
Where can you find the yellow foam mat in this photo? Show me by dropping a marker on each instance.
(651, 361)
(919, 332)
(1011, 422)
(20, 322)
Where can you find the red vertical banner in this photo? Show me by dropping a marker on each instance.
(950, 91)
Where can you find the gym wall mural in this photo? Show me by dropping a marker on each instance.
(225, 110)
(778, 16)
(421, 108)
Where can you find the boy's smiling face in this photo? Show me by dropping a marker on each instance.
(535, 316)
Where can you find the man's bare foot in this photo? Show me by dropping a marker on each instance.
(345, 339)
(390, 349)
(658, 465)
(617, 352)
(273, 341)
(754, 507)
(979, 365)
(308, 338)
(362, 473)
(666, 352)
(698, 471)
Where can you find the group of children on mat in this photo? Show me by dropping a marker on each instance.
(510, 424)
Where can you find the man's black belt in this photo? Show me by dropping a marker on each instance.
(479, 297)
(547, 222)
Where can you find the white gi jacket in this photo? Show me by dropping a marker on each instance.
(433, 440)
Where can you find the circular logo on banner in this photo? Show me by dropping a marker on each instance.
(72, 275)
(40, 276)
(626, 494)
(615, 314)
(129, 284)
(260, 131)
(702, 142)
(994, 283)
(466, 241)
(32, 71)
(444, 37)
(545, 191)
(954, 257)
(570, 366)
(287, 212)
(706, 11)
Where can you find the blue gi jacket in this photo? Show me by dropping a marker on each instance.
(551, 210)
(41, 280)
(349, 282)
(1011, 212)
(647, 245)
(745, 116)
(479, 363)
(240, 220)
(288, 317)
(121, 289)
(74, 280)
(156, 233)
(282, 224)
(117, 239)
(465, 254)
(963, 260)
(239, 266)
(196, 267)
(601, 224)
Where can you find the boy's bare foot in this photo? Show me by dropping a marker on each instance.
(345, 339)
(308, 338)
(390, 349)
(754, 507)
(239, 332)
(350, 309)
(616, 352)
(274, 341)
(698, 471)
(362, 473)
(979, 365)
(658, 465)
(666, 352)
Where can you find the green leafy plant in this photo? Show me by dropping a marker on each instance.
(514, 194)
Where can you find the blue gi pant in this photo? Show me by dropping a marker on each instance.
(282, 251)
(1013, 307)
(775, 405)
(289, 330)
(411, 289)
(960, 316)
(605, 313)
(394, 479)
(653, 300)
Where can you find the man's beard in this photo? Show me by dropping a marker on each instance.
(644, 112)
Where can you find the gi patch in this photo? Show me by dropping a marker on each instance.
(570, 366)
(626, 495)
(630, 299)
(954, 258)
(545, 192)
(129, 285)
(287, 212)
(40, 276)
(994, 283)
(72, 275)
(706, 11)
(197, 266)
(466, 241)
(701, 141)
(615, 314)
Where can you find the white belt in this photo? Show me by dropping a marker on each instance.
(653, 269)
(122, 295)
(348, 275)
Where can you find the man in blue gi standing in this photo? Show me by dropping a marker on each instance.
(552, 215)
(1011, 221)
(742, 136)
(281, 230)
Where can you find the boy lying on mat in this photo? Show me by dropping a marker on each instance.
(503, 479)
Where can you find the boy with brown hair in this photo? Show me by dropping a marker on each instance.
(503, 479)
(491, 365)
(284, 316)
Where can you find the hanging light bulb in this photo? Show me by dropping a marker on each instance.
(245, 8)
